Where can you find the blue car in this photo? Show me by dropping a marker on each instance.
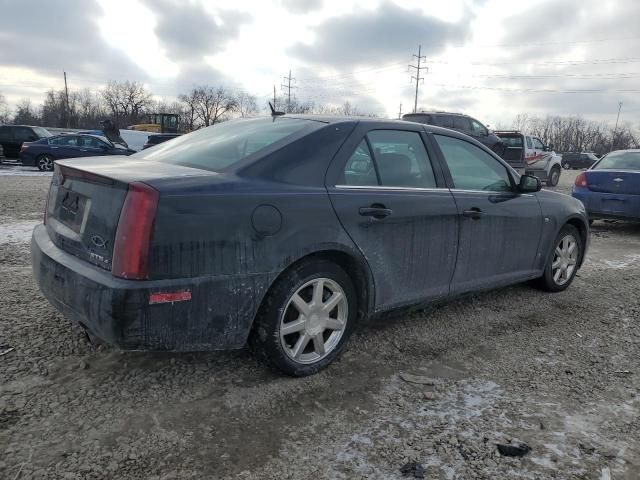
(611, 187)
(42, 153)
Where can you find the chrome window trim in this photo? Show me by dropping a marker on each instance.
(382, 187)
(418, 189)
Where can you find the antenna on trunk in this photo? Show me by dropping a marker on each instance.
(274, 113)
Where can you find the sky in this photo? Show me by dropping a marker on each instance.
(491, 59)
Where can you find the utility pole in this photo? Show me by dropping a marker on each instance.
(615, 130)
(288, 87)
(66, 94)
(400, 112)
(417, 75)
(274, 97)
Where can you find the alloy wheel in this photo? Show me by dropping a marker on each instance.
(565, 259)
(314, 320)
(45, 163)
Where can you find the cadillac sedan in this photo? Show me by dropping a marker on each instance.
(284, 232)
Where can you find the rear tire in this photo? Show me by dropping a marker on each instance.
(566, 166)
(316, 303)
(554, 176)
(563, 262)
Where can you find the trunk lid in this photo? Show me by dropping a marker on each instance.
(614, 181)
(86, 197)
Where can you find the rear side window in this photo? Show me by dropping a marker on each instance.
(399, 159)
(24, 134)
(462, 124)
(225, 144)
(5, 134)
(472, 168)
(445, 121)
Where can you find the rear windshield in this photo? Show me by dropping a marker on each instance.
(225, 144)
(619, 161)
(511, 141)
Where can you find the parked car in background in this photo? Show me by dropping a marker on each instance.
(537, 158)
(159, 138)
(285, 231)
(578, 160)
(461, 123)
(13, 136)
(44, 152)
(611, 187)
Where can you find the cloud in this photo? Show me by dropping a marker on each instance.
(58, 35)
(188, 31)
(301, 7)
(370, 37)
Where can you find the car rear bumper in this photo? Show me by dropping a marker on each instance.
(608, 205)
(218, 316)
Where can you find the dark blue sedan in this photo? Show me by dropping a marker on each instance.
(611, 187)
(285, 232)
(44, 152)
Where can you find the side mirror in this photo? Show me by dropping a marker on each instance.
(529, 184)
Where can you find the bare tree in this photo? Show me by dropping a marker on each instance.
(5, 111)
(213, 104)
(190, 101)
(247, 105)
(26, 113)
(127, 101)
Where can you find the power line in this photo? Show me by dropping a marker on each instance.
(417, 76)
(288, 87)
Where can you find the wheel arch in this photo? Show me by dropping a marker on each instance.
(354, 265)
(583, 230)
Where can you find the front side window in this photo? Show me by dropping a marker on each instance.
(461, 123)
(225, 144)
(401, 159)
(537, 144)
(472, 168)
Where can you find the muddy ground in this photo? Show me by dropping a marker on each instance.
(441, 387)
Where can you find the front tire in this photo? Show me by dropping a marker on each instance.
(306, 319)
(45, 163)
(554, 176)
(564, 260)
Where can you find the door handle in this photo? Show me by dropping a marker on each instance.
(474, 213)
(375, 211)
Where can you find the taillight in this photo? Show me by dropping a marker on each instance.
(581, 180)
(133, 236)
(23, 147)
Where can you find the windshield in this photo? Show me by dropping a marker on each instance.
(619, 161)
(42, 132)
(224, 144)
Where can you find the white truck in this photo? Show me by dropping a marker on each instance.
(529, 153)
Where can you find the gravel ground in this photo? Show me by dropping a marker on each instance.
(440, 387)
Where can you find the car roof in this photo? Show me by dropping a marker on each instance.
(435, 112)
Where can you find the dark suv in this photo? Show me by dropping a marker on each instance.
(13, 136)
(461, 123)
(578, 160)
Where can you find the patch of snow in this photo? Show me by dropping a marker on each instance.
(20, 171)
(17, 232)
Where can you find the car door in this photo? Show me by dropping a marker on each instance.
(397, 210)
(499, 229)
(6, 139)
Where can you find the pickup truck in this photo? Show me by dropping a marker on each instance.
(529, 153)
